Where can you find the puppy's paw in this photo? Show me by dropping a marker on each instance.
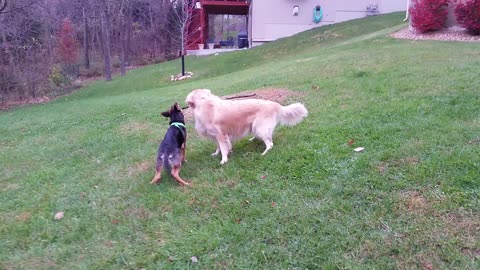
(252, 138)
(223, 162)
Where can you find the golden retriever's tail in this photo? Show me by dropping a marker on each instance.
(292, 114)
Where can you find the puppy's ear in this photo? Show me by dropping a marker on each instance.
(177, 107)
(191, 105)
(166, 114)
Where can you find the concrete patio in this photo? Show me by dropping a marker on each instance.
(211, 51)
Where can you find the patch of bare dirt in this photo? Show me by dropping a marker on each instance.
(474, 141)
(24, 216)
(139, 167)
(10, 187)
(134, 127)
(414, 201)
(140, 213)
(77, 84)
(464, 226)
(446, 34)
(279, 95)
(383, 167)
(15, 103)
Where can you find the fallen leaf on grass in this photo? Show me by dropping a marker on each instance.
(59, 215)
(115, 221)
(350, 142)
(428, 266)
(273, 204)
(359, 149)
(194, 259)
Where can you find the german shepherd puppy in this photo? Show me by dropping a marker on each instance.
(171, 152)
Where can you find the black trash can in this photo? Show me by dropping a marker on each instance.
(242, 40)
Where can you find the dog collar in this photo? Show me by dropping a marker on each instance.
(177, 124)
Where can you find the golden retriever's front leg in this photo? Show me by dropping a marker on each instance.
(216, 150)
(223, 143)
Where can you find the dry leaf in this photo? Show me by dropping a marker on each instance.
(350, 142)
(273, 204)
(194, 259)
(115, 221)
(59, 215)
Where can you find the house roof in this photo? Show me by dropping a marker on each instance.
(232, 7)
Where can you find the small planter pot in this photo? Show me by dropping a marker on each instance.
(211, 45)
(201, 46)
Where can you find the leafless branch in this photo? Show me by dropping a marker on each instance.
(3, 5)
(17, 8)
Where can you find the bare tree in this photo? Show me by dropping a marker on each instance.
(3, 5)
(86, 56)
(105, 22)
(181, 16)
(133, 31)
(123, 35)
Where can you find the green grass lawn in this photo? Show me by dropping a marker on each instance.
(409, 201)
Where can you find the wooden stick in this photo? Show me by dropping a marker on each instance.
(242, 96)
(234, 97)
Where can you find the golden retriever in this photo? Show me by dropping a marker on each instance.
(226, 121)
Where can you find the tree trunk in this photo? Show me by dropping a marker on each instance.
(129, 37)
(105, 21)
(86, 56)
(11, 60)
(122, 46)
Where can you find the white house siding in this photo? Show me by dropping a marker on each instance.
(389, 6)
(273, 19)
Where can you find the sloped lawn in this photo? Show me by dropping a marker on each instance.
(410, 200)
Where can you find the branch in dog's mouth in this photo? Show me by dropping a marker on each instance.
(241, 96)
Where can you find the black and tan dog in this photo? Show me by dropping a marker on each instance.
(171, 152)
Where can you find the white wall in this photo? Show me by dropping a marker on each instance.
(389, 6)
(273, 19)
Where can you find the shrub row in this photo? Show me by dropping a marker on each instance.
(430, 15)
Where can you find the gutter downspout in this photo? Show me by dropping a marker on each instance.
(407, 13)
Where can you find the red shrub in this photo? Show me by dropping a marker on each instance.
(428, 15)
(67, 45)
(468, 16)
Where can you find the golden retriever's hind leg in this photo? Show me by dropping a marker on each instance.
(252, 138)
(225, 146)
(268, 145)
(230, 147)
(216, 151)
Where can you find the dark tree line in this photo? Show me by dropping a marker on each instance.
(46, 44)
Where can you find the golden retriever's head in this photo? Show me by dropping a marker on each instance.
(196, 96)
